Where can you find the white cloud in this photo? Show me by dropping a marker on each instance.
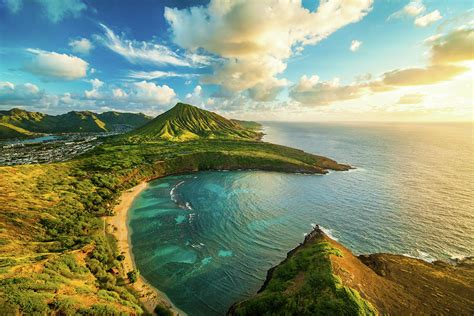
(355, 45)
(428, 19)
(52, 64)
(310, 91)
(195, 98)
(150, 75)
(255, 38)
(138, 96)
(119, 94)
(307, 83)
(153, 53)
(54, 10)
(81, 46)
(149, 92)
(412, 9)
(18, 94)
(143, 92)
(94, 92)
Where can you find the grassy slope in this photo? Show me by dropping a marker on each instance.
(11, 131)
(248, 124)
(306, 284)
(54, 253)
(71, 122)
(323, 277)
(185, 122)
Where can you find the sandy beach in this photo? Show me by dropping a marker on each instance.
(117, 225)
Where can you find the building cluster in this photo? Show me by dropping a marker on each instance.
(62, 149)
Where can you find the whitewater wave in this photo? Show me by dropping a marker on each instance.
(421, 255)
(456, 257)
(173, 194)
(327, 231)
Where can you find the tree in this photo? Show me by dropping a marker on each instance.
(133, 276)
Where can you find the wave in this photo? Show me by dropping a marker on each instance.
(421, 255)
(455, 257)
(173, 194)
(328, 231)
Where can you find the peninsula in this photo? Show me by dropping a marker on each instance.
(322, 277)
(57, 255)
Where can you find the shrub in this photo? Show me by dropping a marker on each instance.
(162, 311)
(132, 276)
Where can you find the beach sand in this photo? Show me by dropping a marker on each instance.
(117, 225)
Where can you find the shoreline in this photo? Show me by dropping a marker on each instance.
(117, 225)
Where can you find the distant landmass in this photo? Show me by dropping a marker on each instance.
(181, 123)
(185, 122)
(18, 123)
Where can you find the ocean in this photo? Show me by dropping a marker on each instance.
(207, 239)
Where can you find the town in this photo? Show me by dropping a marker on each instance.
(48, 149)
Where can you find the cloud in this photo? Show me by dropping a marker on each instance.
(414, 98)
(195, 97)
(52, 64)
(54, 10)
(255, 38)
(149, 92)
(119, 94)
(94, 92)
(428, 19)
(415, 9)
(143, 52)
(136, 96)
(11, 94)
(81, 46)
(355, 45)
(142, 92)
(412, 9)
(310, 91)
(150, 75)
(422, 76)
(14, 5)
(456, 46)
(447, 53)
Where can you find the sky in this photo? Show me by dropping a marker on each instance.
(327, 60)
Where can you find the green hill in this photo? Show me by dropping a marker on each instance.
(185, 122)
(322, 277)
(21, 123)
(12, 131)
(248, 124)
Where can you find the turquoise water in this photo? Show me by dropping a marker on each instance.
(208, 239)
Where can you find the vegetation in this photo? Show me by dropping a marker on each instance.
(11, 131)
(20, 123)
(133, 276)
(304, 284)
(55, 253)
(248, 124)
(162, 311)
(185, 122)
